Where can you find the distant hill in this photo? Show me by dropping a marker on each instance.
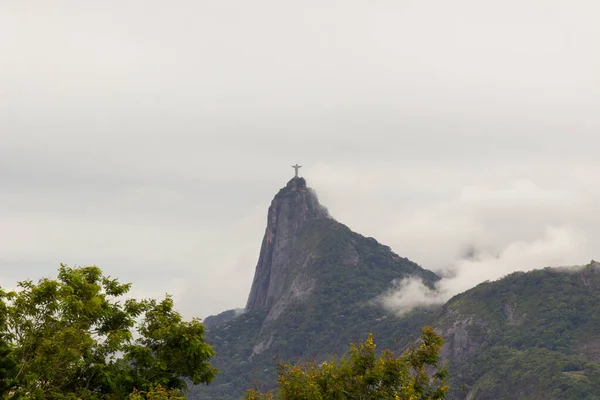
(532, 335)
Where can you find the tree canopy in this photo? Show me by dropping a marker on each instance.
(415, 375)
(80, 337)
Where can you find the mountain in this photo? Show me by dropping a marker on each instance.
(314, 292)
(280, 277)
(533, 335)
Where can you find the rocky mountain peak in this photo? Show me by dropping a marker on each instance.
(291, 210)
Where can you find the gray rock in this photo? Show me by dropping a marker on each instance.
(290, 211)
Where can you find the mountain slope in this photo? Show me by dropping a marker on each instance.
(314, 292)
(291, 210)
(532, 335)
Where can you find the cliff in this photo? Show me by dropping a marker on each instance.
(531, 335)
(315, 290)
(291, 210)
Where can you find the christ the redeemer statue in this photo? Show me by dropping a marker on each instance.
(296, 168)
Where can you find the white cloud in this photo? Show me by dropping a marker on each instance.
(149, 139)
(519, 228)
(557, 248)
(408, 294)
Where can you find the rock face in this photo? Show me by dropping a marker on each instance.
(291, 210)
(528, 335)
(462, 339)
(315, 290)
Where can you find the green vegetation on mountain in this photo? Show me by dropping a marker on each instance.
(349, 272)
(362, 374)
(533, 335)
(530, 335)
(223, 317)
(73, 338)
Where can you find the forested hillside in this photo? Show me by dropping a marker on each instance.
(528, 336)
(349, 271)
(316, 289)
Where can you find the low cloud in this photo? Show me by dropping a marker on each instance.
(154, 153)
(555, 249)
(409, 293)
(529, 216)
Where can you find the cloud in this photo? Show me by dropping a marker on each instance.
(557, 248)
(407, 294)
(150, 143)
(509, 230)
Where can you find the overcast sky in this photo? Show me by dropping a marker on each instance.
(148, 137)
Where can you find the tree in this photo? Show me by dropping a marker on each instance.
(363, 375)
(157, 393)
(8, 365)
(73, 338)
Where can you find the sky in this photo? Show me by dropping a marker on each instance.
(149, 137)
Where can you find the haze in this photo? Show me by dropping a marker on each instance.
(148, 138)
